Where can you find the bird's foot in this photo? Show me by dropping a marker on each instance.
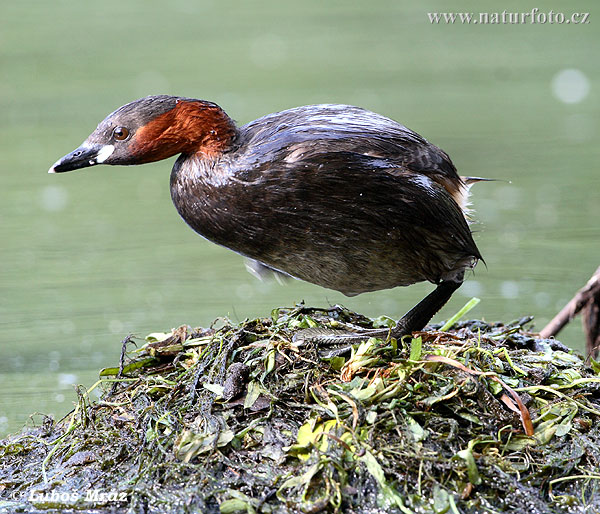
(337, 342)
(330, 336)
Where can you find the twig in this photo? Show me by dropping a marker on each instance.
(584, 297)
(124, 344)
(590, 316)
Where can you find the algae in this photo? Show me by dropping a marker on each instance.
(481, 417)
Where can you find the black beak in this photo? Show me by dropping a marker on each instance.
(86, 155)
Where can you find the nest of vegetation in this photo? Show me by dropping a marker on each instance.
(484, 417)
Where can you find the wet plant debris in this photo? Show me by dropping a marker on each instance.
(480, 417)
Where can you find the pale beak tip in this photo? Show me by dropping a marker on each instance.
(52, 169)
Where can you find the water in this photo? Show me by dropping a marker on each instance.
(88, 257)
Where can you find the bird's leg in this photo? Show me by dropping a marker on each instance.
(416, 318)
(413, 321)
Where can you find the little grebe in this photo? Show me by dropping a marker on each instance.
(332, 194)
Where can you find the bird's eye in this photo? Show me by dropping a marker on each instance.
(120, 133)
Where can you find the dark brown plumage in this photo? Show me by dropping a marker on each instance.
(331, 194)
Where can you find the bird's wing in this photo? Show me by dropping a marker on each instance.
(298, 134)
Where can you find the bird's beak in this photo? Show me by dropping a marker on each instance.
(86, 155)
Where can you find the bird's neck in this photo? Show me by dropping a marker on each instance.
(191, 127)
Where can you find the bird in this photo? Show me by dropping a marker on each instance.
(331, 194)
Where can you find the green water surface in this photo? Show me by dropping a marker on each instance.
(88, 257)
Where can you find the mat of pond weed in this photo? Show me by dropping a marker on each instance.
(484, 417)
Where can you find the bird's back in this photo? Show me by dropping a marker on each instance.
(303, 132)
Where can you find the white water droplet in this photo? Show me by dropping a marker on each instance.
(54, 198)
(570, 86)
(66, 379)
(115, 326)
(509, 289)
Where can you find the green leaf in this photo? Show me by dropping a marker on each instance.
(440, 395)
(561, 358)
(383, 322)
(254, 391)
(441, 501)
(270, 362)
(417, 431)
(519, 442)
(364, 393)
(132, 366)
(305, 439)
(470, 417)
(495, 387)
(305, 435)
(225, 437)
(468, 306)
(545, 431)
(233, 505)
(563, 428)
(472, 471)
(302, 322)
(300, 480)
(197, 341)
(337, 363)
(310, 322)
(150, 434)
(189, 444)
(213, 388)
(416, 347)
(564, 377)
(371, 417)
(389, 495)
(239, 502)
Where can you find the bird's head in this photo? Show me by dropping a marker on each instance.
(151, 129)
